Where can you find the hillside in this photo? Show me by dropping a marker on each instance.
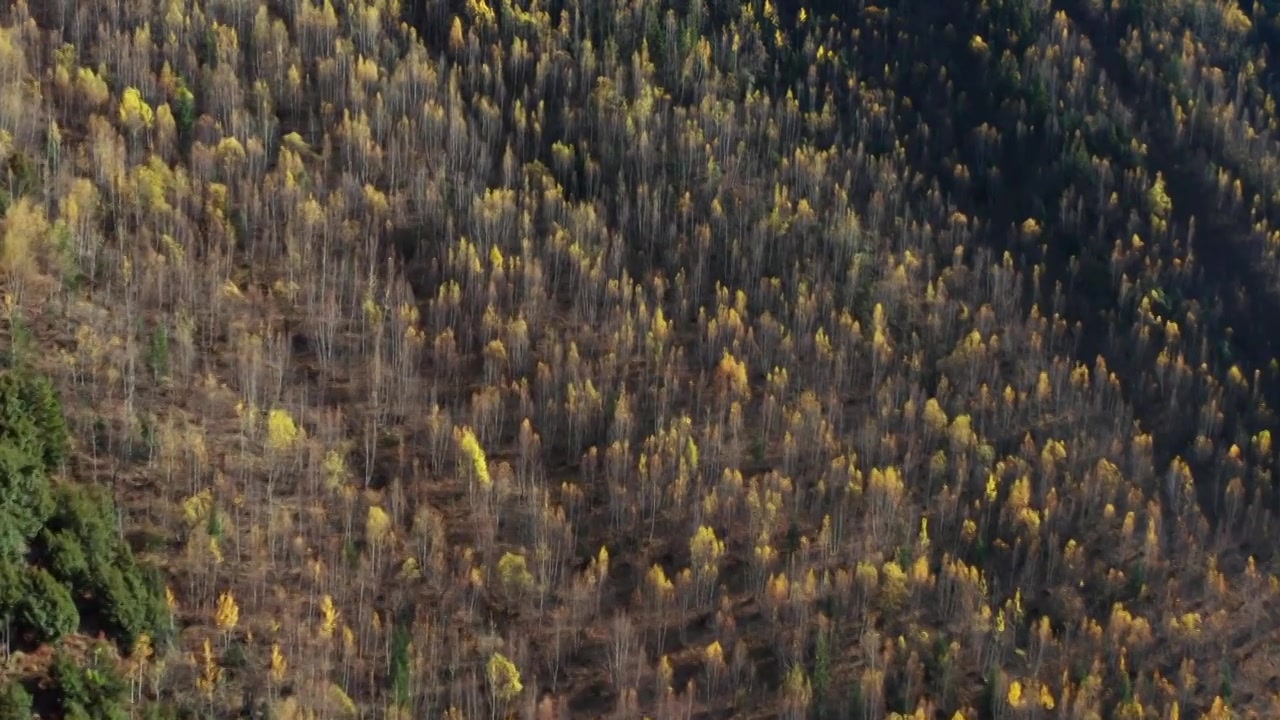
(639, 359)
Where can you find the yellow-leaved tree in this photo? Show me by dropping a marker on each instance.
(138, 663)
(1219, 710)
(504, 681)
(196, 508)
(513, 573)
(797, 693)
(713, 664)
(210, 671)
(227, 614)
(1015, 696)
(25, 228)
(705, 551)
(477, 466)
(328, 617)
(335, 468)
(731, 380)
(278, 665)
(474, 468)
(135, 113)
(377, 531)
(282, 433)
(660, 592)
(893, 585)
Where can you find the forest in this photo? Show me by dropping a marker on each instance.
(639, 359)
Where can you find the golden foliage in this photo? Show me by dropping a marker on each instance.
(1158, 198)
(328, 617)
(705, 549)
(713, 654)
(658, 581)
(227, 614)
(858, 267)
(935, 417)
(92, 88)
(893, 584)
(514, 573)
(1219, 710)
(474, 454)
(25, 228)
(377, 526)
(134, 111)
(343, 701)
(210, 672)
(732, 374)
(797, 689)
(278, 665)
(282, 433)
(504, 678)
(1046, 697)
(1014, 695)
(335, 469)
(196, 508)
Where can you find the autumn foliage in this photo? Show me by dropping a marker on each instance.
(511, 358)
